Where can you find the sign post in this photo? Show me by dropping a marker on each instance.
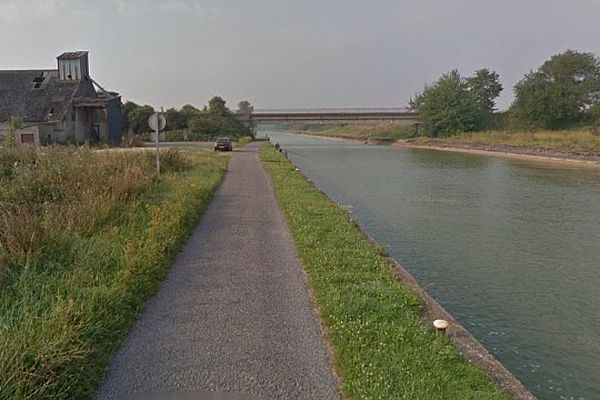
(157, 122)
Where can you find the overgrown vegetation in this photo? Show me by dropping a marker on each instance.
(382, 350)
(85, 237)
(189, 123)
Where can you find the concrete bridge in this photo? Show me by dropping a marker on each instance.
(329, 115)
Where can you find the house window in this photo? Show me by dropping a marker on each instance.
(27, 138)
(37, 81)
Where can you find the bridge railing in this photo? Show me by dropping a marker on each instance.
(327, 115)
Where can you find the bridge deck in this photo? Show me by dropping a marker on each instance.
(328, 115)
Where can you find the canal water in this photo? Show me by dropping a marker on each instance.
(510, 248)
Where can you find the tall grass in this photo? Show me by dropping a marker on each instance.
(85, 237)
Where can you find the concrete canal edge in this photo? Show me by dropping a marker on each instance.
(469, 347)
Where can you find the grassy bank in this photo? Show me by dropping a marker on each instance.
(584, 140)
(85, 238)
(381, 348)
(244, 140)
(391, 131)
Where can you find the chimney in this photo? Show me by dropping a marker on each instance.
(73, 66)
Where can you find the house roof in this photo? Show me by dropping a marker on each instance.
(72, 55)
(36, 95)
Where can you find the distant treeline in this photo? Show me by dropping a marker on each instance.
(563, 93)
(213, 120)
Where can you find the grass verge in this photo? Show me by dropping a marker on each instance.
(381, 348)
(392, 131)
(244, 140)
(85, 239)
(584, 140)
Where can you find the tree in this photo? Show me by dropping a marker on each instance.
(244, 107)
(485, 87)
(559, 94)
(217, 106)
(593, 116)
(456, 104)
(216, 120)
(126, 110)
(175, 119)
(204, 127)
(138, 119)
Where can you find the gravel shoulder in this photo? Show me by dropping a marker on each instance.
(234, 315)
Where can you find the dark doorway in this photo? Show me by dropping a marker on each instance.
(95, 134)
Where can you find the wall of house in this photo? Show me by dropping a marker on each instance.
(73, 69)
(101, 121)
(69, 125)
(29, 136)
(76, 127)
(3, 128)
(114, 120)
(53, 133)
(83, 122)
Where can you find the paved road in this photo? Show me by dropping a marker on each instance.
(208, 145)
(234, 314)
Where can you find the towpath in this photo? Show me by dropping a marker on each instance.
(234, 314)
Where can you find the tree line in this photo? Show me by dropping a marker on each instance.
(212, 121)
(564, 92)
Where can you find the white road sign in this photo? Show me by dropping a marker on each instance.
(157, 122)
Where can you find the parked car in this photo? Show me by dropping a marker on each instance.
(223, 144)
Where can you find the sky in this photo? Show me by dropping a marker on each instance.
(293, 54)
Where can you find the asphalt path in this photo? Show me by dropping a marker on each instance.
(233, 319)
(207, 145)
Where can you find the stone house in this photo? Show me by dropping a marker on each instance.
(64, 105)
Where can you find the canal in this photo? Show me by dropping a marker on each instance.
(510, 248)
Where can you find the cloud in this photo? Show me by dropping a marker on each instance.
(126, 8)
(22, 11)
